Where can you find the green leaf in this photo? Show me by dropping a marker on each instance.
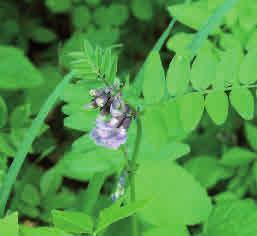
(9, 225)
(41, 34)
(251, 135)
(6, 146)
(73, 222)
(20, 116)
(154, 128)
(179, 42)
(243, 102)
(58, 6)
(42, 231)
(36, 97)
(50, 182)
(203, 72)
(248, 68)
(180, 206)
(235, 218)
(81, 17)
(207, 170)
(237, 156)
(30, 195)
(228, 68)
(179, 230)
(17, 71)
(217, 113)
(83, 166)
(191, 107)
(252, 42)
(178, 76)
(118, 14)
(115, 213)
(142, 10)
(3, 112)
(193, 15)
(154, 79)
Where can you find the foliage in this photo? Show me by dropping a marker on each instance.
(189, 166)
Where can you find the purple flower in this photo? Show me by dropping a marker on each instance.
(108, 133)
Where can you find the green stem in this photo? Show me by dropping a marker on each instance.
(25, 146)
(92, 192)
(132, 175)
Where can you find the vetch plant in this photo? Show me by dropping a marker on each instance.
(128, 134)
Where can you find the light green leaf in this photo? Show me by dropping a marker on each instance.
(9, 225)
(16, 70)
(248, 68)
(191, 107)
(243, 102)
(115, 213)
(176, 230)
(251, 135)
(179, 42)
(178, 76)
(154, 128)
(3, 112)
(73, 222)
(42, 231)
(235, 218)
(154, 79)
(217, 113)
(203, 72)
(252, 42)
(228, 68)
(50, 182)
(180, 206)
(193, 15)
(82, 166)
(237, 156)
(207, 170)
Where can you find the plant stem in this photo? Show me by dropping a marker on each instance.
(25, 146)
(133, 167)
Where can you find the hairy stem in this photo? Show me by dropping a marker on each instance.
(133, 167)
(25, 146)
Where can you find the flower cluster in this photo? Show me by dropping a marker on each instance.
(114, 119)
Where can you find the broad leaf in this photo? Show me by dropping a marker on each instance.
(115, 213)
(42, 231)
(179, 230)
(207, 170)
(171, 198)
(9, 225)
(16, 70)
(235, 218)
(73, 222)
